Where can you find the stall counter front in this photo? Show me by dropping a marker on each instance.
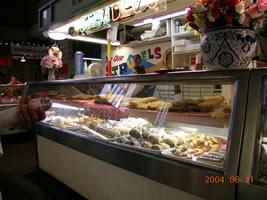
(157, 136)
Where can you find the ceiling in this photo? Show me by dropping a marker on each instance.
(18, 13)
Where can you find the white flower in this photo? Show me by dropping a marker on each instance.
(210, 17)
(200, 8)
(248, 3)
(240, 8)
(242, 19)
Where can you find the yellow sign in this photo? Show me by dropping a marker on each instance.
(124, 9)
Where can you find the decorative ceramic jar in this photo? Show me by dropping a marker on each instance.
(228, 48)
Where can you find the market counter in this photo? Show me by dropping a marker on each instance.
(185, 135)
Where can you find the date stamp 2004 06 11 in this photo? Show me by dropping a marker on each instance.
(230, 179)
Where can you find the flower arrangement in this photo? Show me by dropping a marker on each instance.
(207, 14)
(53, 60)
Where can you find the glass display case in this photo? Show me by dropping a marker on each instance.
(252, 176)
(10, 95)
(184, 121)
(192, 119)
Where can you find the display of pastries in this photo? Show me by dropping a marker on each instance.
(108, 99)
(214, 105)
(75, 97)
(136, 103)
(201, 147)
(151, 138)
(72, 121)
(140, 133)
(205, 104)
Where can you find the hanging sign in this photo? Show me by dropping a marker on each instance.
(115, 12)
(128, 8)
(95, 20)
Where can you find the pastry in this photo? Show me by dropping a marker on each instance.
(170, 140)
(205, 104)
(135, 133)
(164, 145)
(146, 144)
(81, 97)
(157, 147)
(158, 105)
(140, 102)
(110, 133)
(180, 151)
(209, 103)
(154, 138)
(134, 142)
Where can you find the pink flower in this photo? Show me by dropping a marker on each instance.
(253, 11)
(51, 61)
(248, 3)
(262, 5)
(240, 8)
(246, 21)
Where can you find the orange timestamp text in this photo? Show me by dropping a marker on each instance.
(230, 179)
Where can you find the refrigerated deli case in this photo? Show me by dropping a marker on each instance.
(10, 95)
(185, 135)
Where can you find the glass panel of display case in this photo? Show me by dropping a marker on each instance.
(182, 121)
(262, 160)
(10, 94)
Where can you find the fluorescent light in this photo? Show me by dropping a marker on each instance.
(150, 20)
(93, 59)
(55, 35)
(92, 39)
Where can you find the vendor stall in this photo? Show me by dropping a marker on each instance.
(120, 139)
(171, 133)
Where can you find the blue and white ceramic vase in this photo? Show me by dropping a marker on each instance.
(228, 48)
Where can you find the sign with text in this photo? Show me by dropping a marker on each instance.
(139, 60)
(128, 8)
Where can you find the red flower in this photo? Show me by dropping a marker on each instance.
(217, 4)
(190, 17)
(209, 24)
(232, 2)
(216, 14)
(229, 19)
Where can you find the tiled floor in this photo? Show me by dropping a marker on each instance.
(19, 178)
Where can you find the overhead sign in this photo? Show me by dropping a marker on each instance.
(128, 8)
(117, 11)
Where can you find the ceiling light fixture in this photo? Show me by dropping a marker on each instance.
(176, 14)
(22, 59)
(55, 35)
